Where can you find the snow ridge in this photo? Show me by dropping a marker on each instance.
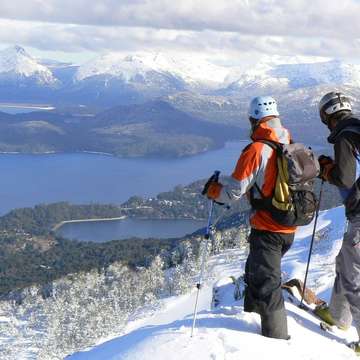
(15, 61)
(187, 69)
(166, 71)
(294, 73)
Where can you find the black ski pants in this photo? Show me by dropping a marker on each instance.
(263, 293)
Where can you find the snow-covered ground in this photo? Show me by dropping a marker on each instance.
(229, 333)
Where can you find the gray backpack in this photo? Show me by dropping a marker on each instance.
(293, 202)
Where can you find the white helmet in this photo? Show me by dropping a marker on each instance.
(263, 106)
(331, 103)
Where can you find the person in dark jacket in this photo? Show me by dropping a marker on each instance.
(343, 171)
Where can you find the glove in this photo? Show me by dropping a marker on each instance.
(326, 165)
(323, 159)
(213, 190)
(213, 178)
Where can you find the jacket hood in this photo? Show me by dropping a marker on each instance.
(272, 130)
(347, 123)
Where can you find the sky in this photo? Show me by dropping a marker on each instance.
(226, 31)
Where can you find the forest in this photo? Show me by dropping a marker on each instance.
(31, 253)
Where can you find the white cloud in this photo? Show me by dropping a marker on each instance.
(265, 17)
(230, 27)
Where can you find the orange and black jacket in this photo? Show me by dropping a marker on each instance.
(257, 164)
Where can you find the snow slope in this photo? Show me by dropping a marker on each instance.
(229, 333)
(128, 68)
(16, 62)
(294, 73)
(279, 73)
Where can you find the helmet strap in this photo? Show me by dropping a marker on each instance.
(254, 123)
(324, 117)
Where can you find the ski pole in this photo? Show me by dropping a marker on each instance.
(208, 233)
(311, 246)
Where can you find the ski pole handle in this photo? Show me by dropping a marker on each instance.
(213, 178)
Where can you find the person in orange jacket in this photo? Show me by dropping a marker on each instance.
(255, 173)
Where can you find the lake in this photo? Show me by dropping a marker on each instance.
(26, 180)
(101, 231)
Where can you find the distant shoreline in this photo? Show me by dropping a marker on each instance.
(90, 152)
(57, 153)
(59, 225)
(315, 147)
(27, 106)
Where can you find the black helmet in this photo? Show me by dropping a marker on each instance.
(332, 103)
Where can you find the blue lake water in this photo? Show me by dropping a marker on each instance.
(26, 180)
(123, 229)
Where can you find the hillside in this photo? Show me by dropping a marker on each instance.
(126, 280)
(229, 333)
(170, 127)
(27, 237)
(153, 129)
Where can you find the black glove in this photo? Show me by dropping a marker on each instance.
(326, 163)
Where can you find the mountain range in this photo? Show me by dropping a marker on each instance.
(273, 75)
(151, 104)
(114, 79)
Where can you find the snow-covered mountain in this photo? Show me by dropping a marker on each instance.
(116, 78)
(145, 67)
(283, 74)
(17, 65)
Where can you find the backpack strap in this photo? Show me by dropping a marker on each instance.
(253, 201)
(273, 144)
(264, 202)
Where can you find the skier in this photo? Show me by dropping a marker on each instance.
(343, 172)
(256, 173)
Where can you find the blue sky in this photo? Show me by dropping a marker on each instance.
(223, 30)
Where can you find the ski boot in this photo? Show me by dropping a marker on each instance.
(323, 312)
(355, 345)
